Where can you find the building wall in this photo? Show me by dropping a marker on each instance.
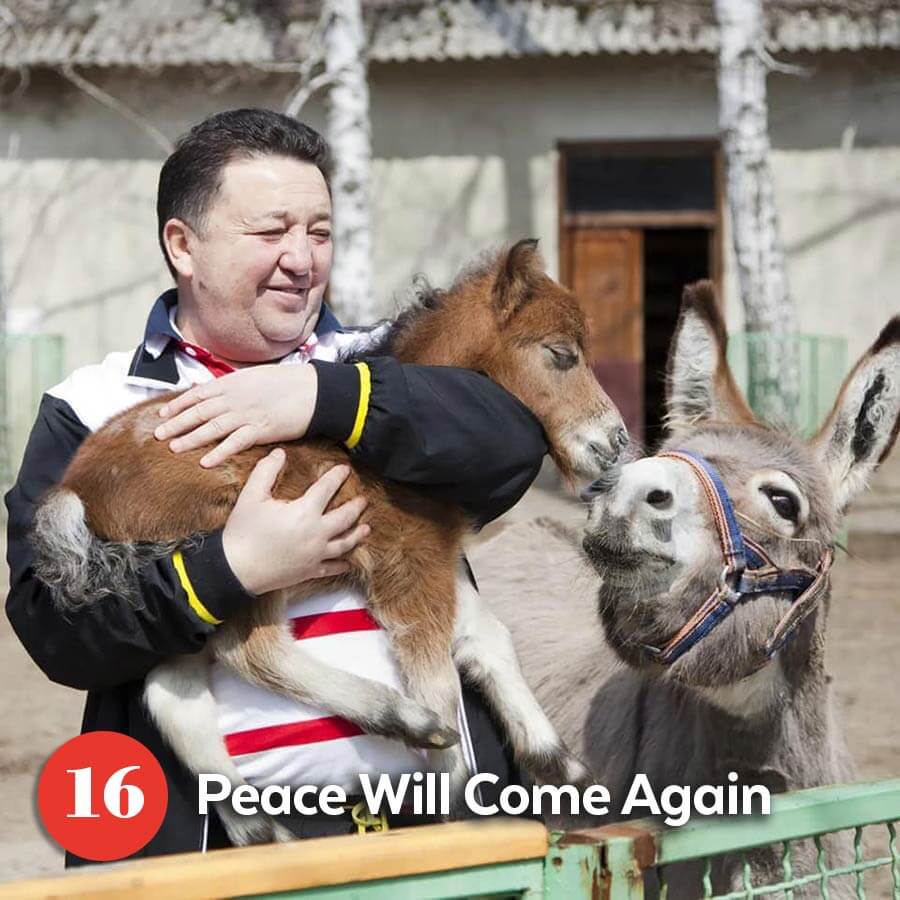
(465, 159)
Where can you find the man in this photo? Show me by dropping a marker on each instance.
(244, 218)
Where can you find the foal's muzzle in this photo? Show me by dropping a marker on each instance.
(610, 460)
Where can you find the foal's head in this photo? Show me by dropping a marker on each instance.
(652, 537)
(507, 318)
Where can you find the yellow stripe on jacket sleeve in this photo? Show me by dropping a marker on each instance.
(193, 599)
(365, 391)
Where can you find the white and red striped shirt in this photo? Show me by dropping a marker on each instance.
(274, 740)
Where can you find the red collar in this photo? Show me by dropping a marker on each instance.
(218, 367)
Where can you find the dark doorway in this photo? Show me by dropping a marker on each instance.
(673, 257)
(638, 222)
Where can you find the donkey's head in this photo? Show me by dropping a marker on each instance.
(507, 318)
(713, 557)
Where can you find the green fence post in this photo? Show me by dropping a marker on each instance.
(607, 862)
(574, 871)
(624, 870)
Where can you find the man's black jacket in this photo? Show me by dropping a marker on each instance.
(450, 432)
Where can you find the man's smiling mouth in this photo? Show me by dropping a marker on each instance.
(296, 291)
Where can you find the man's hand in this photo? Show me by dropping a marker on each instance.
(256, 405)
(272, 544)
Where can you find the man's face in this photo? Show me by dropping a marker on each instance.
(257, 271)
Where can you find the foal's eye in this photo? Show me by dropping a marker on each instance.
(783, 502)
(563, 357)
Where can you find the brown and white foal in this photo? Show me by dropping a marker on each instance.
(504, 317)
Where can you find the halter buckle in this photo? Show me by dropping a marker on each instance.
(726, 591)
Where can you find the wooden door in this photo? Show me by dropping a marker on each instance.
(604, 267)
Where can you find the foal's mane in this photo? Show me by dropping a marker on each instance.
(423, 299)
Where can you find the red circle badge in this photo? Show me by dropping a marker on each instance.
(102, 796)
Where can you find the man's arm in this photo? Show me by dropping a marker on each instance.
(453, 432)
(113, 641)
(266, 544)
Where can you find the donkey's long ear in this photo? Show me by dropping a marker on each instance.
(517, 278)
(861, 429)
(700, 386)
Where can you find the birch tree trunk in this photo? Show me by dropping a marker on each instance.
(6, 473)
(762, 274)
(349, 133)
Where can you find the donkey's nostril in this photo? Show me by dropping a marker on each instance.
(620, 437)
(659, 499)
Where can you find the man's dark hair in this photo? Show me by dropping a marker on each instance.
(192, 175)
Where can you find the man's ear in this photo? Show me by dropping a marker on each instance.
(517, 277)
(862, 427)
(177, 239)
(700, 386)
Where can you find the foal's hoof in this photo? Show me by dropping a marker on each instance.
(441, 739)
(260, 828)
(558, 766)
(419, 727)
(578, 774)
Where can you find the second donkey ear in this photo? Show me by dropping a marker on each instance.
(517, 278)
(700, 386)
(862, 428)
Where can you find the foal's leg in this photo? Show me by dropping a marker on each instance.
(484, 650)
(415, 604)
(178, 696)
(263, 651)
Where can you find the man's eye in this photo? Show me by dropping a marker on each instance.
(784, 503)
(563, 357)
(322, 235)
(273, 232)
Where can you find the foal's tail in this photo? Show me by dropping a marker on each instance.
(75, 564)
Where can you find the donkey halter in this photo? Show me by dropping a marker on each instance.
(748, 571)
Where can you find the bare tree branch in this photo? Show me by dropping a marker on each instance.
(308, 82)
(9, 21)
(773, 65)
(107, 100)
(304, 91)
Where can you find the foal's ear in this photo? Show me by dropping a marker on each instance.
(517, 277)
(700, 385)
(862, 428)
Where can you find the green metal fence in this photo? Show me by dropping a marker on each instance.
(640, 859)
(821, 367)
(827, 842)
(34, 362)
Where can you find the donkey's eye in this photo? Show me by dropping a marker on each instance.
(783, 502)
(563, 357)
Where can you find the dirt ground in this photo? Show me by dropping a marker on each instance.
(37, 716)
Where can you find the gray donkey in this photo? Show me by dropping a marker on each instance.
(709, 665)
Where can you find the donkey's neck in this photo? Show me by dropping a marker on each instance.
(780, 727)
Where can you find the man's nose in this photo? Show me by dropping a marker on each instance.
(297, 255)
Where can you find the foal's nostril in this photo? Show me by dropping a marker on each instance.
(620, 437)
(659, 499)
(601, 451)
